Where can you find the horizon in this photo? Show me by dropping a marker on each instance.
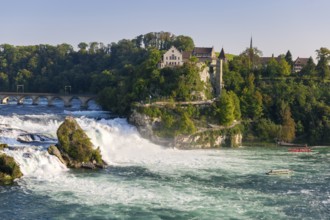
(276, 27)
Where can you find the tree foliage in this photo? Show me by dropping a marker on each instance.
(322, 68)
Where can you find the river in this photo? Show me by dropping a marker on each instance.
(147, 181)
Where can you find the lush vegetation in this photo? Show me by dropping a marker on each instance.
(279, 104)
(271, 100)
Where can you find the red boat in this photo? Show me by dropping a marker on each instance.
(300, 149)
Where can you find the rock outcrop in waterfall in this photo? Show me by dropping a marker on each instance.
(9, 169)
(74, 147)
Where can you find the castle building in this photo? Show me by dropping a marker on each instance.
(172, 57)
(210, 65)
(204, 54)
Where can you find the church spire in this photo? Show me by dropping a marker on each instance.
(251, 45)
(251, 54)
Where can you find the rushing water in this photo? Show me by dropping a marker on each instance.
(147, 181)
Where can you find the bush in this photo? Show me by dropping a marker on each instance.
(267, 130)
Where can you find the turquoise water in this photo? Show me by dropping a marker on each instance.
(146, 181)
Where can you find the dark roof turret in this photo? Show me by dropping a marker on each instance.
(222, 55)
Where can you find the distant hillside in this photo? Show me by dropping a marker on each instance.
(228, 56)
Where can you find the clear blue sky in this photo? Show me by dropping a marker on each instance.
(302, 26)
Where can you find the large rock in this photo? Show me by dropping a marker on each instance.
(75, 147)
(28, 138)
(9, 169)
(3, 146)
(53, 150)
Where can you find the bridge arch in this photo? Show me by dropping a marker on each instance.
(84, 101)
(6, 99)
(34, 99)
(38, 99)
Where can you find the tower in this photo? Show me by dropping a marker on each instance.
(219, 80)
(251, 45)
(251, 54)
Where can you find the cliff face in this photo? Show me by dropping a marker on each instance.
(146, 126)
(206, 138)
(209, 139)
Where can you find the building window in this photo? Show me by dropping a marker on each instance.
(172, 51)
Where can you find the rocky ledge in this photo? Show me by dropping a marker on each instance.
(214, 137)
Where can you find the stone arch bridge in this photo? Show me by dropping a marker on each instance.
(66, 98)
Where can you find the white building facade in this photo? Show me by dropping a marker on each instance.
(172, 57)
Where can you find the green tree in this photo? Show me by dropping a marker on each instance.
(253, 56)
(272, 68)
(82, 47)
(225, 108)
(309, 69)
(322, 68)
(186, 125)
(236, 102)
(4, 84)
(184, 43)
(288, 58)
(233, 81)
(288, 129)
(284, 67)
(267, 130)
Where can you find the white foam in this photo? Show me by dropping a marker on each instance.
(36, 163)
(86, 113)
(120, 145)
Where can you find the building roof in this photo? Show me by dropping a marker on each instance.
(301, 61)
(265, 60)
(186, 55)
(222, 55)
(203, 50)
